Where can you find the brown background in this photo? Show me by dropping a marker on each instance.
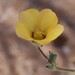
(21, 57)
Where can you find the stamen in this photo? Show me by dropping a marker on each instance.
(38, 35)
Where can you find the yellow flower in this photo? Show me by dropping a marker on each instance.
(41, 27)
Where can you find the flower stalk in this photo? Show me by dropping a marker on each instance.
(64, 69)
(42, 52)
(52, 62)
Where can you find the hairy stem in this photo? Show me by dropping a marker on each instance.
(54, 65)
(42, 52)
(64, 69)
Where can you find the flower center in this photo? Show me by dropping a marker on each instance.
(38, 35)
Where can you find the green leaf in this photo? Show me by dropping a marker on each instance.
(52, 58)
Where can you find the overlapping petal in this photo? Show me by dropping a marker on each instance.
(52, 35)
(22, 32)
(47, 19)
(29, 18)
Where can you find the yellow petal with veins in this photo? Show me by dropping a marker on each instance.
(52, 35)
(29, 18)
(22, 32)
(47, 19)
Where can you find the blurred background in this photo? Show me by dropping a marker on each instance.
(21, 57)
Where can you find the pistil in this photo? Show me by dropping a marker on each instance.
(38, 35)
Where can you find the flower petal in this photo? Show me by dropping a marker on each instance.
(22, 32)
(29, 18)
(52, 34)
(48, 19)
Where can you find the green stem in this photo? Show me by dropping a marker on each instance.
(42, 52)
(64, 69)
(56, 67)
